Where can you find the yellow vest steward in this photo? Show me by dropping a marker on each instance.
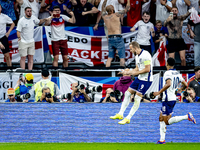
(39, 86)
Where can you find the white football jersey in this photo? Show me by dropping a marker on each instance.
(176, 78)
(144, 58)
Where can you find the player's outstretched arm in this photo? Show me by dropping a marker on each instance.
(165, 87)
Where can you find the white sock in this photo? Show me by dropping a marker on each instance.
(162, 130)
(177, 119)
(135, 107)
(125, 102)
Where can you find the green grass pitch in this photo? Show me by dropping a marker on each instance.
(99, 146)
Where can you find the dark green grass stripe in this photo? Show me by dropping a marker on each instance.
(99, 146)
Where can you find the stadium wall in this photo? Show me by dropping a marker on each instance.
(89, 122)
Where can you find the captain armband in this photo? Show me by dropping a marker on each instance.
(147, 62)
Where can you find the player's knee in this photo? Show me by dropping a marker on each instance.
(166, 122)
(161, 118)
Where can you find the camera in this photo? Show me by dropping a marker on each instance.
(185, 94)
(149, 96)
(93, 89)
(20, 77)
(64, 96)
(117, 94)
(80, 86)
(48, 95)
(20, 98)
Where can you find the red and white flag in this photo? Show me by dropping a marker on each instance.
(91, 50)
(160, 57)
(14, 53)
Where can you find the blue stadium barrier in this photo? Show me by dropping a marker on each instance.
(89, 122)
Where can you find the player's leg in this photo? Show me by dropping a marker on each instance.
(162, 129)
(124, 105)
(142, 87)
(176, 119)
(182, 57)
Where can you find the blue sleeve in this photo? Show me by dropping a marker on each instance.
(101, 100)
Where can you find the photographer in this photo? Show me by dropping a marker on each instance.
(46, 95)
(36, 91)
(189, 96)
(78, 94)
(110, 97)
(11, 96)
(27, 85)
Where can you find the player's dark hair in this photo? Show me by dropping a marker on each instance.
(56, 7)
(197, 68)
(45, 72)
(27, 8)
(171, 61)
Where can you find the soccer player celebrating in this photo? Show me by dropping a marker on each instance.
(171, 78)
(140, 85)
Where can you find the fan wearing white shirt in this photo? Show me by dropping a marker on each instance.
(34, 4)
(145, 31)
(171, 78)
(25, 32)
(4, 46)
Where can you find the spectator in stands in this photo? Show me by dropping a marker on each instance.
(4, 46)
(195, 84)
(145, 31)
(123, 83)
(117, 7)
(36, 90)
(134, 14)
(163, 8)
(175, 41)
(195, 4)
(25, 31)
(190, 96)
(59, 41)
(33, 4)
(62, 4)
(44, 10)
(109, 97)
(79, 95)
(82, 12)
(182, 6)
(23, 89)
(46, 95)
(196, 36)
(160, 33)
(115, 40)
(8, 8)
(11, 95)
